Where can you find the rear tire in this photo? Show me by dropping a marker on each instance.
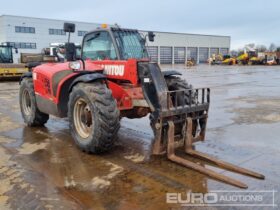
(93, 117)
(28, 106)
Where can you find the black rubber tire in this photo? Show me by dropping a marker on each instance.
(176, 83)
(35, 117)
(104, 116)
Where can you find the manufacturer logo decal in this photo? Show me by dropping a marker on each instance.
(114, 70)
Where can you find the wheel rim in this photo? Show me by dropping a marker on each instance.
(26, 102)
(82, 118)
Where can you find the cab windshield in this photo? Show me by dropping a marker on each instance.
(130, 44)
(6, 54)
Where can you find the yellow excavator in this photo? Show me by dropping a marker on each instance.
(7, 66)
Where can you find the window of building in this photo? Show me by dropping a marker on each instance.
(12, 44)
(53, 31)
(23, 29)
(81, 33)
(22, 45)
(33, 46)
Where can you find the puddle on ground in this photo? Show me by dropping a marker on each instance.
(27, 148)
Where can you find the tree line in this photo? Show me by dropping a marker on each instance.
(259, 48)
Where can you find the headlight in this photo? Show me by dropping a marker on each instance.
(75, 65)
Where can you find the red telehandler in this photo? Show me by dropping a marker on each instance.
(112, 79)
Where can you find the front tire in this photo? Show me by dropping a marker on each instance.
(31, 114)
(175, 83)
(93, 117)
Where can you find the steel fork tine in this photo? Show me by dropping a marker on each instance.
(220, 163)
(172, 156)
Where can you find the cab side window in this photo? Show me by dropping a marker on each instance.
(99, 46)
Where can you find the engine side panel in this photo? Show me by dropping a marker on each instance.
(49, 78)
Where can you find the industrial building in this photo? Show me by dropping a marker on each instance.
(31, 35)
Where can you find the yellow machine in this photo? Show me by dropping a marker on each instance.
(243, 58)
(248, 54)
(264, 58)
(215, 59)
(10, 69)
(256, 60)
(228, 60)
(7, 66)
(190, 62)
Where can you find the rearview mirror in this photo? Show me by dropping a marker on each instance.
(16, 50)
(69, 27)
(151, 36)
(70, 51)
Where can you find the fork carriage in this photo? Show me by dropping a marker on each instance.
(194, 118)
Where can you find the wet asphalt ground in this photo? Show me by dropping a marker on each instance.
(41, 168)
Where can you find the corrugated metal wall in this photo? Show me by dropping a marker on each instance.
(166, 55)
(153, 53)
(203, 54)
(224, 51)
(200, 54)
(192, 53)
(214, 51)
(179, 55)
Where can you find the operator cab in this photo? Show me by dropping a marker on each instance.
(114, 43)
(6, 54)
(109, 43)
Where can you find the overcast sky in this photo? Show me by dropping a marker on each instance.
(248, 21)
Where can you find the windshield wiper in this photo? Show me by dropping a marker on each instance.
(94, 37)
